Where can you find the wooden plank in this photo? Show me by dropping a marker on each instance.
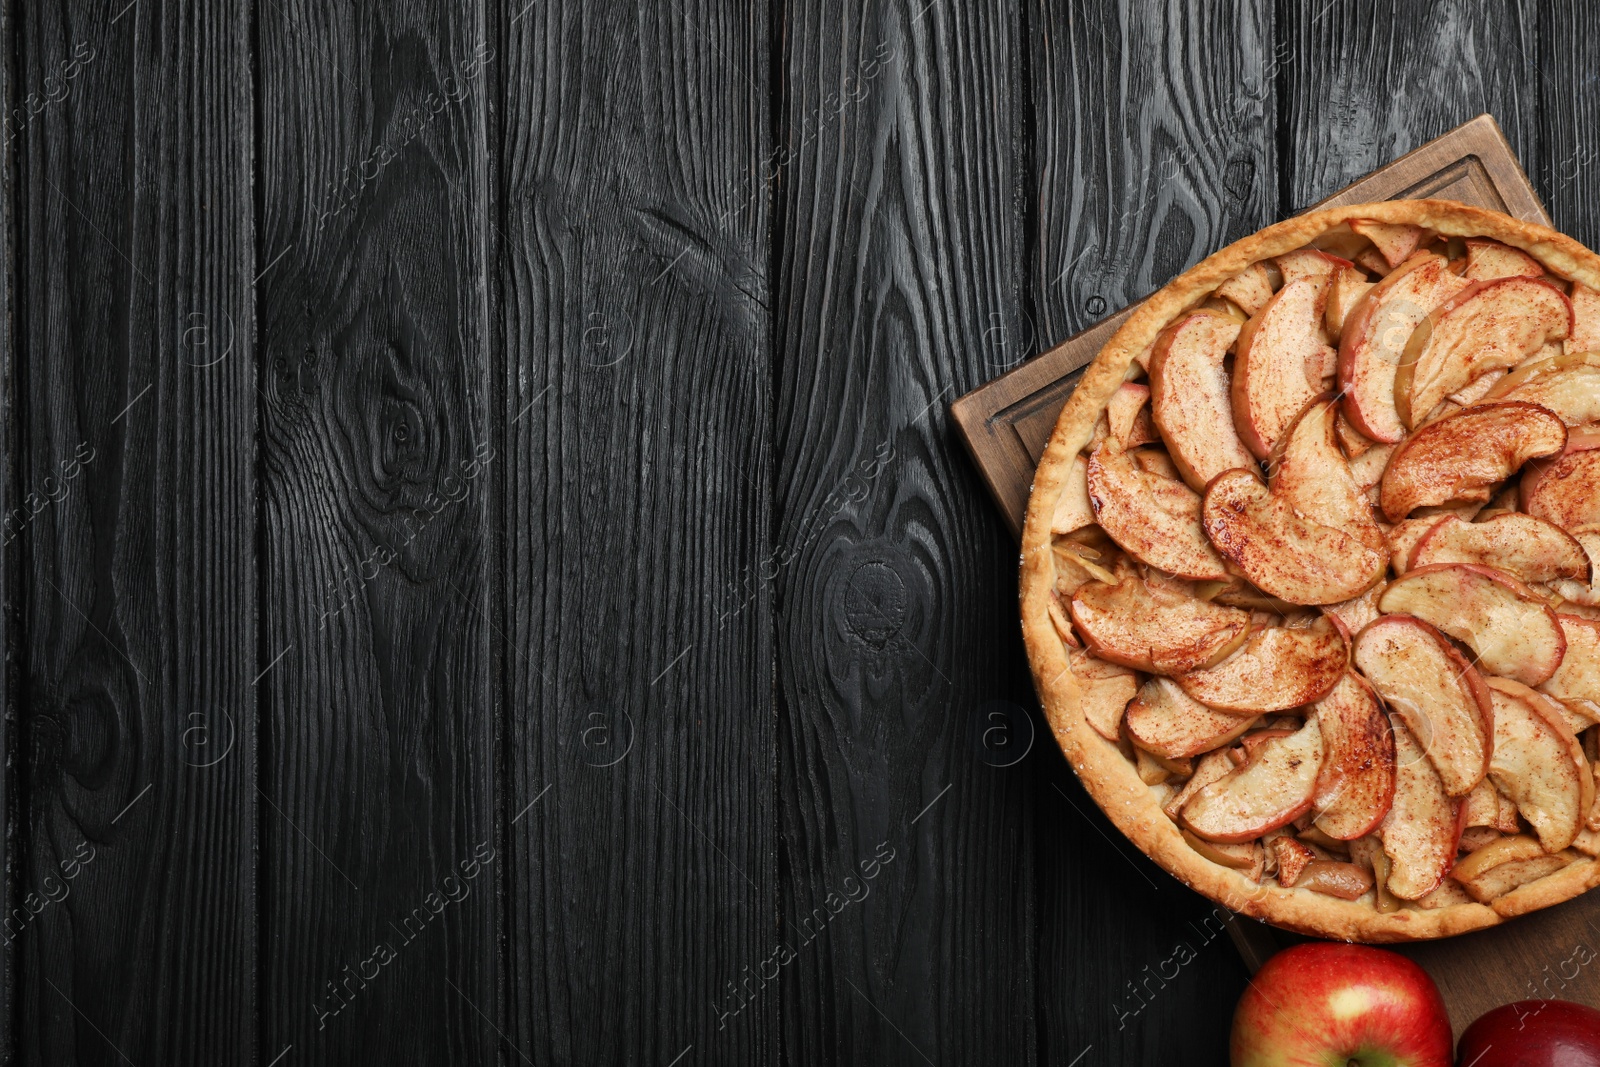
(902, 773)
(1568, 170)
(1368, 80)
(1155, 146)
(136, 515)
(11, 856)
(379, 787)
(638, 498)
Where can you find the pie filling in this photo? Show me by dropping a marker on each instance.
(1328, 574)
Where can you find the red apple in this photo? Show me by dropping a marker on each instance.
(1534, 1033)
(1324, 1004)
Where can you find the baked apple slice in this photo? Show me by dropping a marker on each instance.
(1567, 492)
(1477, 389)
(1576, 682)
(1396, 242)
(1238, 593)
(1367, 469)
(1104, 690)
(1292, 856)
(1073, 510)
(1486, 813)
(1375, 334)
(1575, 721)
(1372, 261)
(1156, 461)
(1250, 289)
(1475, 837)
(1155, 519)
(1335, 878)
(1423, 827)
(1501, 866)
(1491, 810)
(1256, 738)
(1207, 769)
(1356, 784)
(1460, 458)
(1278, 667)
(1165, 721)
(1490, 325)
(1585, 320)
(1308, 470)
(1539, 764)
(1355, 443)
(1282, 552)
(1155, 629)
(1587, 593)
(1270, 789)
(1488, 259)
(1341, 241)
(1311, 264)
(1520, 545)
(1447, 894)
(1579, 439)
(1078, 563)
(1568, 385)
(1348, 288)
(1353, 615)
(1128, 417)
(1057, 610)
(1151, 771)
(1247, 857)
(1509, 626)
(1481, 807)
(1189, 396)
(1403, 536)
(1510, 822)
(1438, 694)
(1271, 385)
(1367, 853)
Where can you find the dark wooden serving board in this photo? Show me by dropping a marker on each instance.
(1006, 423)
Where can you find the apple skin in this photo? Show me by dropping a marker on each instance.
(1325, 1004)
(1534, 1033)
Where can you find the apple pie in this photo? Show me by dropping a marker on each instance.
(1311, 572)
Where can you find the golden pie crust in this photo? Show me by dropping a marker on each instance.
(1108, 776)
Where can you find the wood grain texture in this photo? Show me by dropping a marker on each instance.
(1154, 147)
(12, 650)
(1567, 170)
(1365, 81)
(638, 495)
(136, 518)
(379, 789)
(1134, 968)
(904, 854)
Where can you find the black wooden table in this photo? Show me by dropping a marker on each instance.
(489, 577)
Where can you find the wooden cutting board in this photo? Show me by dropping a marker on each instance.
(1005, 424)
